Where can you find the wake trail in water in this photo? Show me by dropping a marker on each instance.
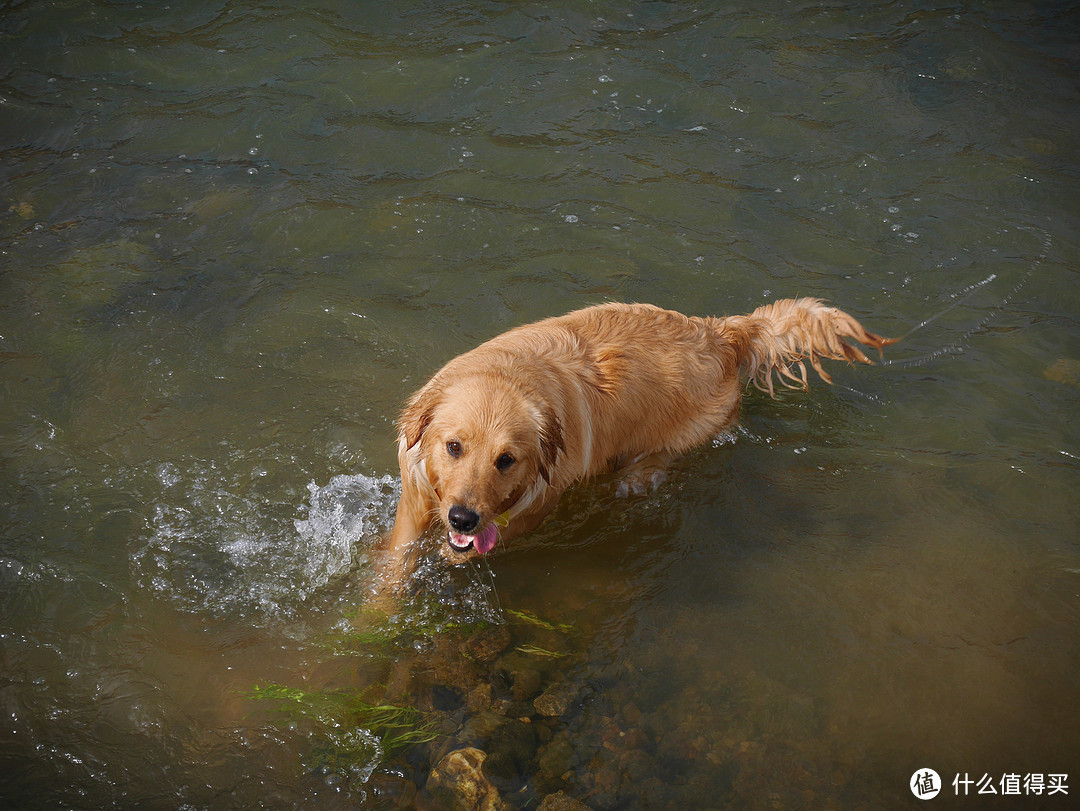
(959, 297)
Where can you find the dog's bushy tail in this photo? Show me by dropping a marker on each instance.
(779, 337)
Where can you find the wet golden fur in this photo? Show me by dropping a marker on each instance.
(613, 388)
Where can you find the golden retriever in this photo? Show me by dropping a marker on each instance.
(490, 443)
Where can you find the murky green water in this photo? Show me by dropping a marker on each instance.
(234, 236)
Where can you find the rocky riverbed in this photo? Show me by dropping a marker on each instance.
(527, 712)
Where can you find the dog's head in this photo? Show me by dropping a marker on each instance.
(484, 447)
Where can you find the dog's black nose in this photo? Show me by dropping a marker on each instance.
(462, 519)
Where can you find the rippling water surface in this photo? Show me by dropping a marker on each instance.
(234, 236)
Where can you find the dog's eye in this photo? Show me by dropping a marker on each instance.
(453, 447)
(504, 461)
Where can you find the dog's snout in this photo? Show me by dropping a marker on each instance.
(462, 519)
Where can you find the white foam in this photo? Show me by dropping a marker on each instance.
(216, 545)
(345, 510)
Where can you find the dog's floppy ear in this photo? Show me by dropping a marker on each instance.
(418, 413)
(551, 442)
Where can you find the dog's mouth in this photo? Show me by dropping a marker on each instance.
(483, 542)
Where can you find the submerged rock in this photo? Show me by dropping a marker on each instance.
(446, 699)
(479, 698)
(458, 783)
(526, 684)
(561, 801)
(555, 701)
(555, 760)
(511, 750)
(485, 646)
(1064, 370)
(479, 727)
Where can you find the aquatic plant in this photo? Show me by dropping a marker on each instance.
(352, 734)
(375, 634)
(536, 650)
(529, 618)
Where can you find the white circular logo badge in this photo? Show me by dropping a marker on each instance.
(925, 784)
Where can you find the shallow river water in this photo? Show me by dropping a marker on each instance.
(235, 236)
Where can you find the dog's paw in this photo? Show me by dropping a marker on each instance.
(657, 478)
(640, 482)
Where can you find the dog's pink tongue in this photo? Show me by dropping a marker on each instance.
(486, 540)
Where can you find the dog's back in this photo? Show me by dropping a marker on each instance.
(658, 380)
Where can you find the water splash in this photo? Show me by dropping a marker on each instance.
(345, 510)
(215, 544)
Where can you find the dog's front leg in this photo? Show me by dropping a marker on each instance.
(412, 518)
